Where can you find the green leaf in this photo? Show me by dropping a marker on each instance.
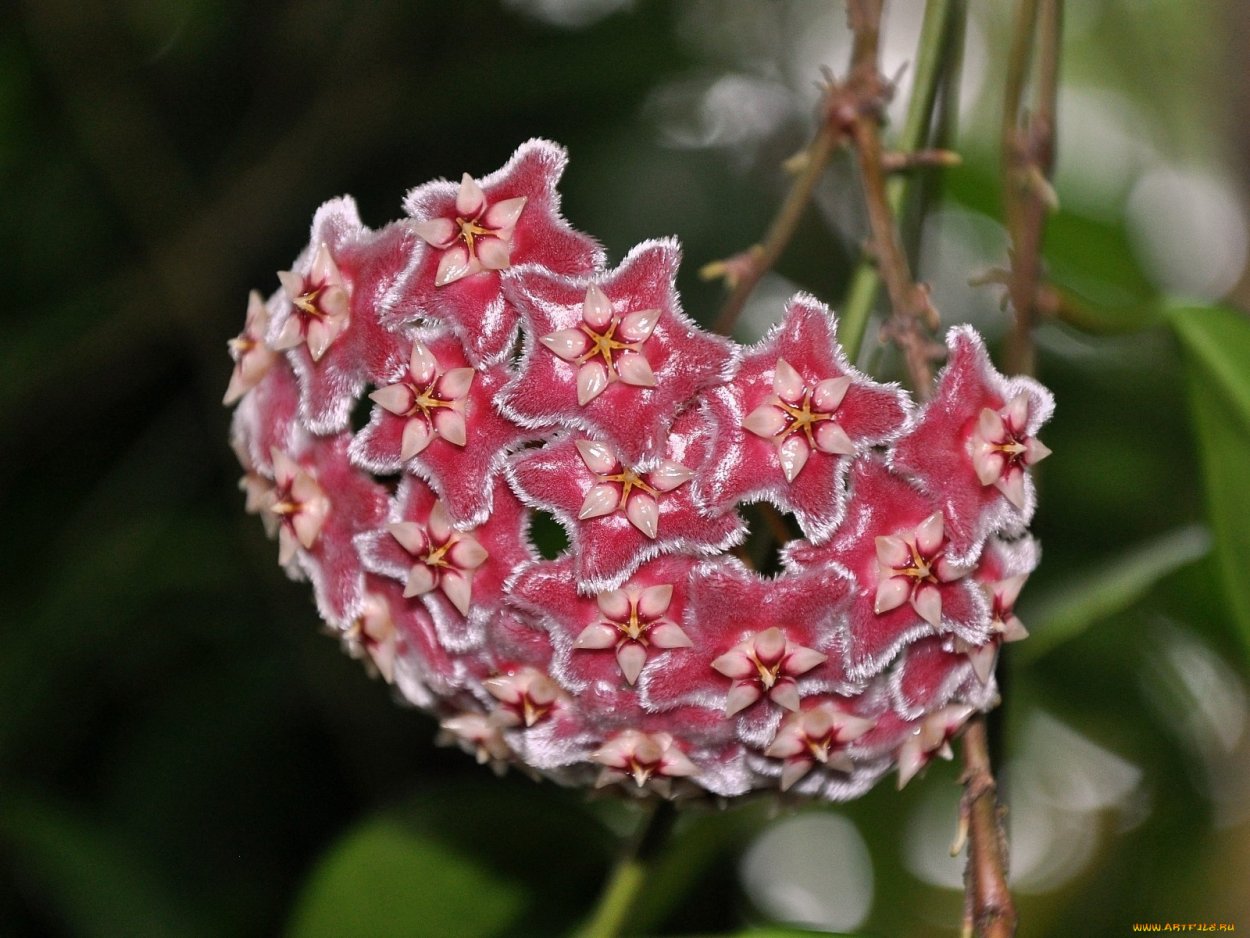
(1112, 588)
(1216, 344)
(86, 874)
(465, 860)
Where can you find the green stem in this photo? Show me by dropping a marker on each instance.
(623, 889)
(866, 281)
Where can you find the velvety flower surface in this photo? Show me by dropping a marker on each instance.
(974, 443)
(613, 356)
(472, 230)
(642, 656)
(789, 422)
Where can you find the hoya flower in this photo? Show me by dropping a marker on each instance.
(908, 582)
(642, 659)
(457, 573)
(614, 357)
(325, 316)
(618, 514)
(756, 646)
(472, 230)
(252, 357)
(974, 443)
(434, 417)
(789, 421)
(815, 735)
(642, 758)
(606, 640)
(298, 504)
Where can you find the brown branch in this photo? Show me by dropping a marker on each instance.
(989, 910)
(758, 260)
(912, 316)
(1028, 161)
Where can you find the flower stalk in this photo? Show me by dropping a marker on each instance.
(624, 888)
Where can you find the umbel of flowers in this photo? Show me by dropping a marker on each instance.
(507, 371)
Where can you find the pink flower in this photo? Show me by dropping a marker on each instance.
(252, 357)
(474, 229)
(908, 582)
(816, 734)
(973, 443)
(756, 646)
(607, 639)
(613, 357)
(325, 315)
(789, 421)
(619, 515)
(435, 418)
(458, 574)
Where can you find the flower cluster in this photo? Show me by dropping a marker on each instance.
(506, 372)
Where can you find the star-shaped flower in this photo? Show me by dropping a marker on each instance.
(907, 581)
(474, 229)
(791, 418)
(317, 530)
(1001, 573)
(752, 640)
(972, 445)
(817, 734)
(325, 316)
(252, 356)
(459, 574)
(619, 515)
(614, 357)
(434, 417)
(603, 642)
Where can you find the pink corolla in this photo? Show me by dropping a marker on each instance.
(639, 656)
(973, 444)
(471, 231)
(908, 581)
(434, 418)
(613, 357)
(618, 515)
(790, 420)
(815, 735)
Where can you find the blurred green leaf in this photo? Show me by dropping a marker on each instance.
(1216, 343)
(88, 872)
(1082, 602)
(464, 860)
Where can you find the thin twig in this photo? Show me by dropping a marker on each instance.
(913, 317)
(990, 911)
(941, 17)
(1028, 161)
(783, 226)
(623, 889)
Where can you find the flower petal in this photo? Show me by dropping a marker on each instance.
(740, 696)
(493, 253)
(455, 383)
(504, 214)
(468, 553)
(638, 325)
(792, 455)
(598, 457)
(631, 657)
(601, 499)
(614, 604)
(458, 587)
(668, 475)
(892, 592)
(788, 384)
(668, 634)
(929, 534)
(436, 232)
(927, 601)
(411, 536)
(766, 421)
(470, 199)
(597, 309)
(592, 378)
(831, 438)
(451, 427)
(828, 394)
(396, 398)
(416, 437)
(568, 344)
(633, 368)
(455, 264)
(644, 513)
(595, 637)
(654, 601)
(420, 581)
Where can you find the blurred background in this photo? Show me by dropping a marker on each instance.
(183, 752)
